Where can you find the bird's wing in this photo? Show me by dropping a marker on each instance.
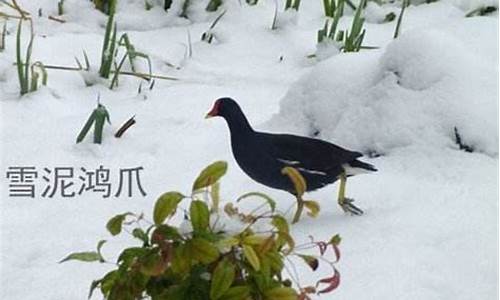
(311, 155)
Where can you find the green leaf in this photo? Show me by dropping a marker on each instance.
(100, 114)
(335, 240)
(313, 208)
(281, 293)
(200, 215)
(237, 293)
(210, 175)
(128, 255)
(166, 232)
(114, 225)
(166, 206)
(108, 281)
(251, 257)
(275, 261)
(86, 128)
(280, 223)
(255, 239)
(269, 200)
(99, 246)
(141, 235)
(181, 261)
(286, 238)
(297, 179)
(203, 251)
(222, 279)
(152, 264)
(93, 286)
(83, 256)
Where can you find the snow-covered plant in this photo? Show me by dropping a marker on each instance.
(289, 15)
(167, 4)
(345, 40)
(404, 4)
(330, 7)
(106, 6)
(216, 254)
(354, 38)
(213, 5)
(27, 73)
(481, 11)
(60, 7)
(131, 54)
(110, 51)
(3, 34)
(329, 31)
(108, 47)
(292, 4)
(97, 118)
(208, 35)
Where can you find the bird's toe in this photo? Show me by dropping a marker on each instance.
(350, 208)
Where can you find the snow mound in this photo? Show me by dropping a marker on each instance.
(417, 91)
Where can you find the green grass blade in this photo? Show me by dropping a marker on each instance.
(86, 127)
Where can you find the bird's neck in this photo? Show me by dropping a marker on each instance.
(239, 125)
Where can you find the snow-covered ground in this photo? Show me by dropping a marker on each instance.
(430, 228)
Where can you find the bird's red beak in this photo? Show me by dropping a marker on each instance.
(214, 111)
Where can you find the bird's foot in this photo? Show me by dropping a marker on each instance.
(350, 208)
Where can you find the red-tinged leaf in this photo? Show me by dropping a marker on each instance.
(337, 252)
(333, 282)
(304, 296)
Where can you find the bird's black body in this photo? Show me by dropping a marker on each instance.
(262, 156)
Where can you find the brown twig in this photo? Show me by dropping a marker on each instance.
(136, 74)
(125, 126)
(56, 19)
(24, 14)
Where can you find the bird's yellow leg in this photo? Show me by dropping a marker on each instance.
(343, 180)
(346, 203)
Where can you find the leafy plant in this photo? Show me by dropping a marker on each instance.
(108, 48)
(131, 54)
(330, 7)
(349, 41)
(96, 118)
(27, 73)
(354, 39)
(329, 31)
(207, 257)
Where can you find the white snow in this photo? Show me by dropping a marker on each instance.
(430, 229)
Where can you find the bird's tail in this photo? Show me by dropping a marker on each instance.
(358, 167)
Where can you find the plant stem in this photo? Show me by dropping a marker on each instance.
(298, 212)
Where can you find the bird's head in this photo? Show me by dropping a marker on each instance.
(223, 107)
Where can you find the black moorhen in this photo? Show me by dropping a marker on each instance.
(262, 156)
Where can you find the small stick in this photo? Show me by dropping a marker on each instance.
(57, 19)
(136, 74)
(124, 127)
